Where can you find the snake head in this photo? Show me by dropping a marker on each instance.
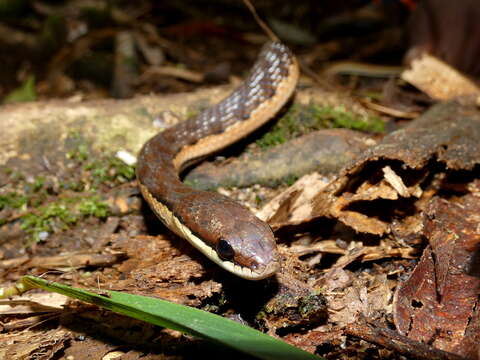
(230, 235)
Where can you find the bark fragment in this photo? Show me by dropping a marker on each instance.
(324, 151)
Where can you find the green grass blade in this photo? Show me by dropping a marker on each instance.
(182, 318)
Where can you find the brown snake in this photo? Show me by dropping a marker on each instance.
(225, 231)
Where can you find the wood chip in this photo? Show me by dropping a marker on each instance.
(438, 79)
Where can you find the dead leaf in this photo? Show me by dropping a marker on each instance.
(294, 204)
(438, 303)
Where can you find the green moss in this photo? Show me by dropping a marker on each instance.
(102, 169)
(94, 207)
(28, 196)
(79, 153)
(62, 214)
(302, 119)
(284, 130)
(78, 147)
(289, 180)
(192, 113)
(8, 170)
(191, 183)
(110, 170)
(38, 183)
(12, 200)
(76, 186)
(50, 218)
(43, 213)
(310, 304)
(121, 171)
(97, 170)
(339, 117)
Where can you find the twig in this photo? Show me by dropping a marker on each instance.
(260, 22)
(394, 341)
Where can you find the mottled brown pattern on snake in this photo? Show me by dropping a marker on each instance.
(224, 225)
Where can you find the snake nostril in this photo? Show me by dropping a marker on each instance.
(225, 250)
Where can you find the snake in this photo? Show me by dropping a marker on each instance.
(222, 229)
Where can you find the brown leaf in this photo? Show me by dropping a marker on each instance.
(364, 295)
(294, 205)
(437, 303)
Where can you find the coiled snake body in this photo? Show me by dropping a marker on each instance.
(225, 231)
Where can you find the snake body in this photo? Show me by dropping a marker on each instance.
(225, 231)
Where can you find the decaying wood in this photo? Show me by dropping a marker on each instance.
(323, 151)
(387, 181)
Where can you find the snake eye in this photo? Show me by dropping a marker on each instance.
(225, 250)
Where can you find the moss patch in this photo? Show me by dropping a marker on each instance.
(61, 214)
(12, 200)
(302, 119)
(97, 169)
(51, 203)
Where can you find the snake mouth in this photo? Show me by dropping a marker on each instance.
(249, 274)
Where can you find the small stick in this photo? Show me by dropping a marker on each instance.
(260, 22)
(394, 341)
